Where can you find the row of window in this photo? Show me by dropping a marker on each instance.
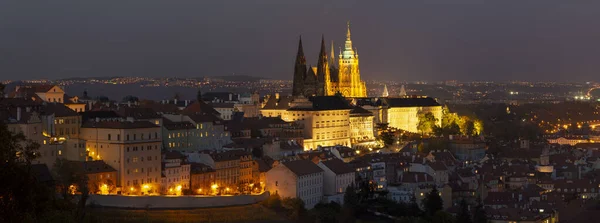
(127, 138)
(135, 182)
(141, 159)
(137, 170)
(330, 135)
(135, 148)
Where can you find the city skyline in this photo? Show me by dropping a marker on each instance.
(431, 41)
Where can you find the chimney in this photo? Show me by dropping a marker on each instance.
(277, 96)
(18, 113)
(230, 97)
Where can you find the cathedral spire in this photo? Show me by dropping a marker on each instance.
(385, 91)
(322, 70)
(402, 91)
(348, 32)
(300, 55)
(299, 71)
(332, 57)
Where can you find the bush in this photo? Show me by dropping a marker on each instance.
(273, 202)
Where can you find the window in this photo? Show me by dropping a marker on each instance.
(127, 137)
(108, 136)
(134, 136)
(119, 137)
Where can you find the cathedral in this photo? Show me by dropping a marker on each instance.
(326, 78)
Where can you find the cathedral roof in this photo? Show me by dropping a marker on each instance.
(409, 102)
(320, 103)
(283, 102)
(360, 111)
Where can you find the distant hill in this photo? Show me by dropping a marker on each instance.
(240, 78)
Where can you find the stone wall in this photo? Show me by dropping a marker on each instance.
(173, 202)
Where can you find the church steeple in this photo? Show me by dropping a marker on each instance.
(385, 91)
(402, 91)
(322, 69)
(299, 71)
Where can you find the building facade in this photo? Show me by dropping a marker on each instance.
(297, 179)
(132, 148)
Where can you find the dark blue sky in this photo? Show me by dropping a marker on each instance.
(546, 40)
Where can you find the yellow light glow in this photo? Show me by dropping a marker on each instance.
(146, 186)
(227, 189)
(178, 187)
(214, 186)
(357, 151)
(131, 189)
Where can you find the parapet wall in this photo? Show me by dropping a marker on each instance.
(173, 202)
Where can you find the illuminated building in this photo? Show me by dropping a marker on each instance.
(361, 126)
(175, 173)
(23, 116)
(325, 119)
(297, 179)
(48, 93)
(101, 177)
(194, 132)
(326, 79)
(227, 167)
(403, 113)
(337, 177)
(202, 177)
(133, 148)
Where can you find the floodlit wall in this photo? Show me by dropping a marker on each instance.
(173, 202)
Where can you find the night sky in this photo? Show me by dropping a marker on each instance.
(544, 40)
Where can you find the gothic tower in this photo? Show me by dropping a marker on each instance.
(299, 71)
(350, 83)
(385, 93)
(323, 79)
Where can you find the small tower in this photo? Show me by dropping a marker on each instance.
(299, 71)
(402, 91)
(385, 91)
(323, 79)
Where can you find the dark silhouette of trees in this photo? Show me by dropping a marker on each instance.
(464, 215)
(433, 202)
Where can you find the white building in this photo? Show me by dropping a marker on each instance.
(337, 177)
(300, 178)
(175, 173)
(132, 148)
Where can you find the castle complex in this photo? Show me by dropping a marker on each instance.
(327, 79)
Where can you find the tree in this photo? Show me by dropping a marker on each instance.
(464, 215)
(427, 122)
(327, 212)
(350, 197)
(413, 207)
(2, 87)
(469, 127)
(295, 207)
(433, 202)
(21, 197)
(273, 202)
(387, 137)
(479, 216)
(444, 217)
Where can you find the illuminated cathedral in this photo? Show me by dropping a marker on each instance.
(329, 77)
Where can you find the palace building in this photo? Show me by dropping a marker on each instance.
(327, 78)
